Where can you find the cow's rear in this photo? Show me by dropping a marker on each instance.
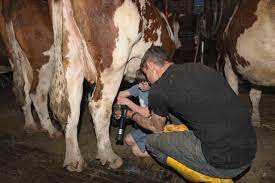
(250, 48)
(26, 30)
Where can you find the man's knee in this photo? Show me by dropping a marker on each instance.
(151, 141)
(137, 152)
(153, 146)
(129, 140)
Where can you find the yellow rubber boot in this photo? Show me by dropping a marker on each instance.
(192, 175)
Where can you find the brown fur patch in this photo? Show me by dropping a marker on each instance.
(243, 18)
(18, 82)
(97, 94)
(150, 13)
(168, 44)
(95, 21)
(33, 30)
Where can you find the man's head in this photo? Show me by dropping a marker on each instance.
(154, 63)
(142, 81)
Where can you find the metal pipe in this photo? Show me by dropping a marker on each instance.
(166, 8)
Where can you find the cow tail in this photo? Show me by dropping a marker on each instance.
(58, 92)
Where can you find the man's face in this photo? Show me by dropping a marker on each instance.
(149, 71)
(144, 86)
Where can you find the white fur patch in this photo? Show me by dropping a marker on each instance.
(257, 46)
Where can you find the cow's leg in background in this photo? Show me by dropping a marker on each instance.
(22, 77)
(40, 98)
(231, 77)
(255, 97)
(30, 126)
(254, 94)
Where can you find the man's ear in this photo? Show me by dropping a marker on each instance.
(150, 65)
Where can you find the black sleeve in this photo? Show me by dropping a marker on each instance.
(157, 103)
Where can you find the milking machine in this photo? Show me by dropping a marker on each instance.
(209, 15)
(119, 116)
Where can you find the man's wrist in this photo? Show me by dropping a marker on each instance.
(133, 114)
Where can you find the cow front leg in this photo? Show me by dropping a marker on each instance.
(101, 108)
(231, 77)
(255, 97)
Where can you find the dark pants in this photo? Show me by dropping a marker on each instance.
(185, 147)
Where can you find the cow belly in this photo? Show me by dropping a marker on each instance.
(259, 73)
(134, 60)
(257, 46)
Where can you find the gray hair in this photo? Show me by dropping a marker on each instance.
(140, 76)
(155, 54)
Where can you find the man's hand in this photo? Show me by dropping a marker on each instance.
(155, 123)
(130, 114)
(123, 101)
(117, 114)
(158, 122)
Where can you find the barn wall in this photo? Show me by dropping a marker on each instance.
(188, 25)
(187, 30)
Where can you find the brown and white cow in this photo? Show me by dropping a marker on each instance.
(26, 31)
(174, 20)
(250, 48)
(99, 40)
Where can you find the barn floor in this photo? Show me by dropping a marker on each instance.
(35, 158)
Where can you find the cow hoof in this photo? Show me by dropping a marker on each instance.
(51, 132)
(113, 160)
(75, 166)
(256, 124)
(116, 163)
(33, 128)
(55, 135)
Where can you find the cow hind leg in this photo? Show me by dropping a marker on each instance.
(30, 125)
(255, 97)
(73, 159)
(41, 106)
(65, 96)
(21, 90)
(231, 77)
(40, 100)
(101, 107)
